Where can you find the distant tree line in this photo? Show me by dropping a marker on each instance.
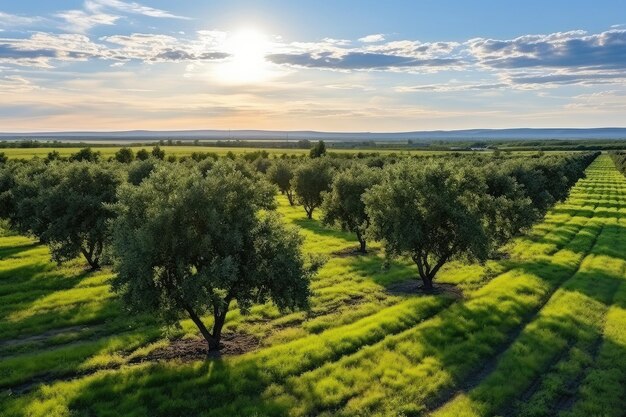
(192, 236)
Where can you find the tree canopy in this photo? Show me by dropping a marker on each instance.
(187, 244)
(429, 212)
(311, 179)
(343, 205)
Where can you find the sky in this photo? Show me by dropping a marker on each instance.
(340, 65)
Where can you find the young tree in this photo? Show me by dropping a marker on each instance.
(310, 180)
(125, 155)
(142, 155)
(344, 205)
(318, 150)
(191, 245)
(85, 155)
(430, 212)
(158, 153)
(281, 173)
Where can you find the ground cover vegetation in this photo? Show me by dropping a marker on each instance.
(328, 330)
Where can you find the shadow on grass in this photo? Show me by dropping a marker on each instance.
(11, 251)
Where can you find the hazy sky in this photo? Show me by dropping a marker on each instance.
(321, 65)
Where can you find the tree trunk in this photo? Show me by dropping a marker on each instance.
(428, 283)
(211, 341)
(309, 213)
(91, 260)
(362, 243)
(290, 197)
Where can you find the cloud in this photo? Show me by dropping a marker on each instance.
(132, 8)
(398, 55)
(358, 61)
(42, 49)
(588, 78)
(80, 21)
(378, 37)
(107, 12)
(574, 50)
(11, 20)
(450, 87)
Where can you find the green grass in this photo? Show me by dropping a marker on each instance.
(106, 151)
(539, 332)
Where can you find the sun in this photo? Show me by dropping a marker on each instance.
(246, 64)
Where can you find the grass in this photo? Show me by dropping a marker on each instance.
(539, 332)
(107, 151)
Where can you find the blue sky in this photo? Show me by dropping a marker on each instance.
(325, 65)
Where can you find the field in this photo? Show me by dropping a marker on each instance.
(27, 153)
(539, 332)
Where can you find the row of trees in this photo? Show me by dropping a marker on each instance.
(433, 210)
(186, 239)
(193, 238)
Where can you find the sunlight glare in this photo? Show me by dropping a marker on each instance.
(247, 63)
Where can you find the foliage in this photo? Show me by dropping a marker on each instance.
(142, 155)
(281, 173)
(343, 204)
(158, 153)
(125, 155)
(192, 244)
(311, 179)
(65, 206)
(86, 155)
(429, 212)
(318, 150)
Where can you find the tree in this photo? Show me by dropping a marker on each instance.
(66, 207)
(430, 212)
(191, 245)
(53, 156)
(142, 155)
(281, 173)
(140, 170)
(158, 153)
(344, 205)
(85, 155)
(3, 158)
(310, 180)
(318, 150)
(125, 155)
(508, 209)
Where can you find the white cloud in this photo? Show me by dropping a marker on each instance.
(132, 8)
(11, 20)
(80, 21)
(378, 37)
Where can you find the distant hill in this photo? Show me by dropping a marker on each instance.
(453, 135)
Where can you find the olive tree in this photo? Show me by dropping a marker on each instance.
(124, 155)
(190, 245)
(343, 204)
(281, 173)
(310, 180)
(430, 212)
(318, 150)
(66, 206)
(506, 207)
